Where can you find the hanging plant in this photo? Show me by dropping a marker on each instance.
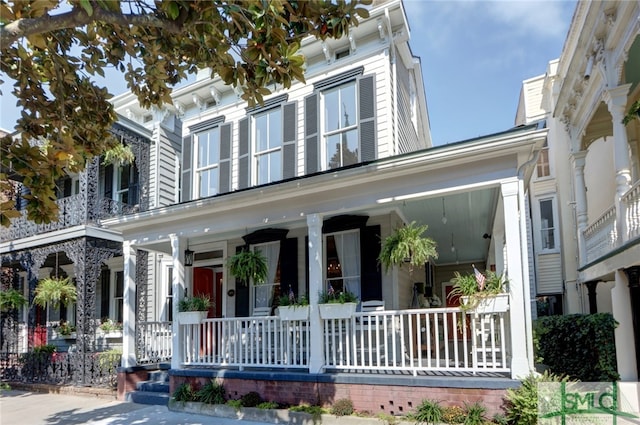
(11, 299)
(407, 245)
(249, 265)
(120, 153)
(633, 113)
(54, 291)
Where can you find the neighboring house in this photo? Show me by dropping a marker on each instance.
(314, 179)
(75, 246)
(593, 166)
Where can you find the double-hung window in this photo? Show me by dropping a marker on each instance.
(547, 228)
(268, 140)
(264, 294)
(340, 126)
(342, 261)
(127, 184)
(208, 162)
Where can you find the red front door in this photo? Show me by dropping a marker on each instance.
(208, 281)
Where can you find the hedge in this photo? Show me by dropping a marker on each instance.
(581, 346)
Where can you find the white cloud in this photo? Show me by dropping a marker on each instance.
(538, 19)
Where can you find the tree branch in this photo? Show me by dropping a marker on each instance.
(77, 17)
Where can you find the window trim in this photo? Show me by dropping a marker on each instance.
(323, 136)
(254, 178)
(197, 170)
(538, 233)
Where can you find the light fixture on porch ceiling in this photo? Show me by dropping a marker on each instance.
(444, 214)
(453, 247)
(188, 257)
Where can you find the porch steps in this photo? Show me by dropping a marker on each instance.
(154, 391)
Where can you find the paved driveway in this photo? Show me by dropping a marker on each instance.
(31, 408)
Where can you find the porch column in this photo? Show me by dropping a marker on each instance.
(578, 162)
(129, 306)
(625, 343)
(616, 100)
(178, 245)
(518, 282)
(314, 229)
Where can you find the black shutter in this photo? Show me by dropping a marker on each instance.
(367, 118)
(370, 274)
(108, 181)
(242, 292)
(289, 133)
(104, 293)
(311, 145)
(243, 154)
(187, 167)
(225, 158)
(134, 185)
(289, 265)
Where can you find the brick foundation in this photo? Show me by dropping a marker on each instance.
(394, 397)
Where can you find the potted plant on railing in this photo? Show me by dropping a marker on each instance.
(407, 245)
(11, 299)
(65, 329)
(193, 310)
(334, 304)
(248, 265)
(110, 328)
(55, 291)
(480, 293)
(292, 308)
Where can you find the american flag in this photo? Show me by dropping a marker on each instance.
(479, 277)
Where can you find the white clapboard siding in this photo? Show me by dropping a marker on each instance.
(549, 271)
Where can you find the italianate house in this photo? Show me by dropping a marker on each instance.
(314, 179)
(585, 195)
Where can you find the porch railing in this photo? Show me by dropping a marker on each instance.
(631, 204)
(436, 339)
(601, 236)
(247, 342)
(154, 342)
(442, 339)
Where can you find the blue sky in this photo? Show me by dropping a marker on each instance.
(475, 55)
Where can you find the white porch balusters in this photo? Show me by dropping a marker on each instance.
(518, 281)
(178, 245)
(625, 342)
(129, 306)
(316, 357)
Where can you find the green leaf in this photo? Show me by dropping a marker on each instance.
(86, 5)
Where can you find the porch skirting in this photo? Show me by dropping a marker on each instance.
(392, 394)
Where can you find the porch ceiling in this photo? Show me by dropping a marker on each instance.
(469, 216)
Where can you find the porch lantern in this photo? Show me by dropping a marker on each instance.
(188, 258)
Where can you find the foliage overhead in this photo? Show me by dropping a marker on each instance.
(52, 49)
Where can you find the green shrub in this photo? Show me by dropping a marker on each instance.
(474, 413)
(315, 411)
(580, 346)
(521, 404)
(452, 414)
(46, 349)
(251, 399)
(212, 393)
(236, 404)
(429, 412)
(185, 392)
(342, 407)
(268, 405)
(500, 419)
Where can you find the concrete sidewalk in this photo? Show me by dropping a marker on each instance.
(32, 408)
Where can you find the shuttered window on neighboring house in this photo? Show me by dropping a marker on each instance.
(343, 133)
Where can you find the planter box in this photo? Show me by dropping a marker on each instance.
(191, 317)
(289, 312)
(493, 304)
(337, 310)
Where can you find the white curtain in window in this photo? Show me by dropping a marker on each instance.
(348, 248)
(264, 292)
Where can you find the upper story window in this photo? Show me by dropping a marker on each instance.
(207, 169)
(339, 122)
(121, 182)
(267, 135)
(340, 126)
(542, 166)
(547, 228)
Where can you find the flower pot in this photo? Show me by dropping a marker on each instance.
(191, 317)
(337, 310)
(491, 304)
(293, 312)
